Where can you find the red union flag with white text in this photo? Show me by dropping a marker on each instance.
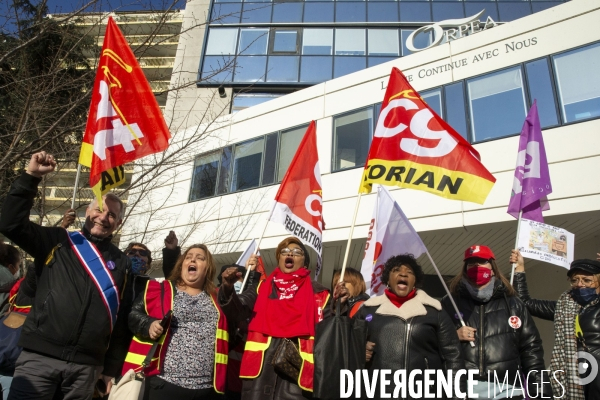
(414, 148)
(124, 122)
(298, 203)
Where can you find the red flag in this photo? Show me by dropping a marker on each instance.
(124, 122)
(298, 203)
(414, 148)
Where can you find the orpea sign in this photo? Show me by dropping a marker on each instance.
(458, 28)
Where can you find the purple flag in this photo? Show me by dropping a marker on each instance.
(532, 179)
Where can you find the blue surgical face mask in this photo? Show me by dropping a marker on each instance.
(583, 295)
(138, 266)
(237, 286)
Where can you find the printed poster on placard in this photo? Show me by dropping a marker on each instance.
(546, 243)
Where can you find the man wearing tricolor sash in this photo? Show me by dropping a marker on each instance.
(76, 289)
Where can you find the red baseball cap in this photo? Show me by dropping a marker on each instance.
(479, 251)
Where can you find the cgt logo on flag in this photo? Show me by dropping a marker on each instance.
(124, 122)
(414, 148)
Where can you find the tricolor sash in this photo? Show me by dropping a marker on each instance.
(94, 264)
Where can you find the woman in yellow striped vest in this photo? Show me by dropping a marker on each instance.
(282, 311)
(190, 361)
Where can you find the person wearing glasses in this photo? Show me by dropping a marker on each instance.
(505, 339)
(283, 312)
(576, 316)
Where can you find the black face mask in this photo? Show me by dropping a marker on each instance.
(583, 296)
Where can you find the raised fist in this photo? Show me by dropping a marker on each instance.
(41, 164)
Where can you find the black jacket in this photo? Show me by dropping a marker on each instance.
(498, 346)
(68, 319)
(418, 335)
(543, 309)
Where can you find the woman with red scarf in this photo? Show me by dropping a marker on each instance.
(408, 330)
(283, 312)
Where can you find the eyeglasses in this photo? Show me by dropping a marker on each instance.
(585, 281)
(139, 252)
(292, 252)
(477, 263)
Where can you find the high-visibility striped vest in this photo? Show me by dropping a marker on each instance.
(258, 343)
(159, 300)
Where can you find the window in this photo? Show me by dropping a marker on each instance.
(540, 89)
(247, 160)
(349, 42)
(204, 178)
(421, 41)
(268, 175)
(226, 13)
(283, 69)
(578, 83)
(315, 69)
(447, 10)
(347, 65)
(250, 69)
(253, 41)
(256, 12)
(245, 100)
(318, 12)
(285, 41)
(383, 42)
(317, 41)
(415, 12)
(221, 41)
(512, 11)
(352, 136)
(225, 170)
(346, 11)
(288, 145)
(287, 12)
(383, 11)
(433, 98)
(497, 103)
(456, 115)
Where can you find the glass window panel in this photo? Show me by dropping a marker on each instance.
(246, 164)
(442, 11)
(497, 103)
(415, 12)
(352, 135)
(382, 12)
(256, 12)
(540, 89)
(578, 83)
(490, 10)
(227, 13)
(245, 100)
(261, 1)
(542, 5)
(250, 69)
(221, 41)
(456, 115)
(227, 1)
(316, 69)
(283, 69)
(318, 12)
(287, 148)
(268, 175)
(511, 11)
(285, 41)
(373, 61)
(253, 41)
(225, 170)
(433, 98)
(349, 42)
(204, 179)
(218, 68)
(383, 42)
(421, 41)
(347, 65)
(350, 11)
(287, 12)
(317, 41)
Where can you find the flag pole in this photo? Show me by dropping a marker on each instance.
(350, 238)
(514, 265)
(76, 185)
(437, 271)
(257, 248)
